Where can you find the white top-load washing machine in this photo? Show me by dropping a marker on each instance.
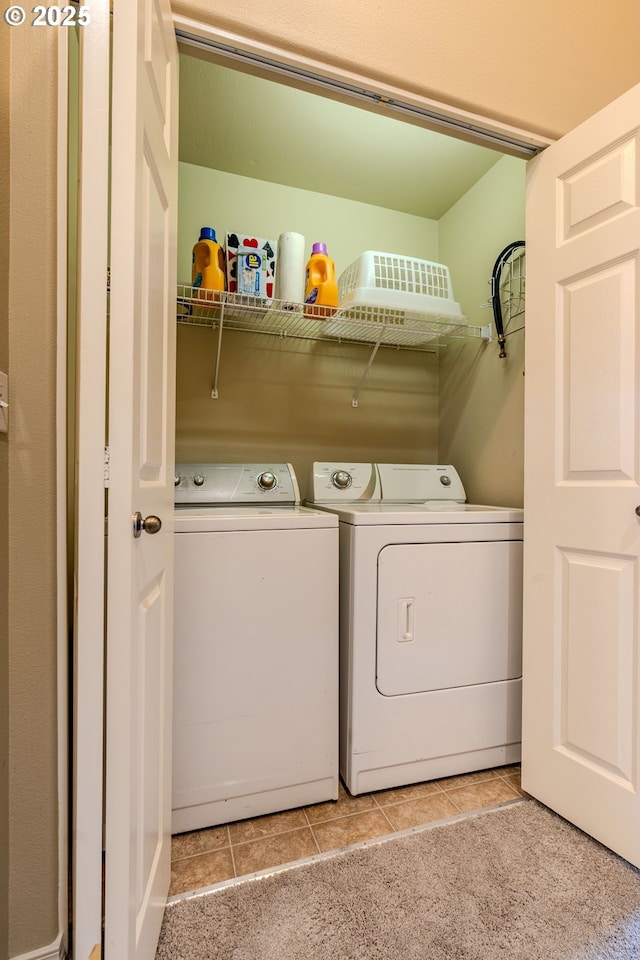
(430, 624)
(255, 726)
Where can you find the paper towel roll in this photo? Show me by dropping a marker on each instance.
(290, 267)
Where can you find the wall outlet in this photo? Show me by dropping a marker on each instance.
(4, 403)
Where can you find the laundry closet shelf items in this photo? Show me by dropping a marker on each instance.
(375, 326)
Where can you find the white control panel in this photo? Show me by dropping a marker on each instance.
(235, 483)
(345, 482)
(420, 482)
(388, 482)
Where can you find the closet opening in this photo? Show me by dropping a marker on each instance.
(267, 149)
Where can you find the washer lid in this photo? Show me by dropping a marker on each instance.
(214, 519)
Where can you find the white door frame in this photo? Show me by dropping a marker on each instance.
(63, 613)
(311, 73)
(90, 415)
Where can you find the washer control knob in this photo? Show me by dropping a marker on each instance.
(445, 480)
(177, 480)
(267, 480)
(198, 479)
(341, 479)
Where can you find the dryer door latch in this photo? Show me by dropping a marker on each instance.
(405, 620)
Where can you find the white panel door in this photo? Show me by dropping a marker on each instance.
(141, 440)
(581, 710)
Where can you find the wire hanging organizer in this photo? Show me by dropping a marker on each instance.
(508, 292)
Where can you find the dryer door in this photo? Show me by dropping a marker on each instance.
(449, 615)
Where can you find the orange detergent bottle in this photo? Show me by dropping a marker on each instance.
(207, 270)
(321, 289)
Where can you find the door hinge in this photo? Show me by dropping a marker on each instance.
(106, 466)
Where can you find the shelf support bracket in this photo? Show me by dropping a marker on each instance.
(214, 389)
(372, 356)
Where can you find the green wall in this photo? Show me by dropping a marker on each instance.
(481, 421)
(243, 205)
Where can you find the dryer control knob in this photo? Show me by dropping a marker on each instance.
(198, 479)
(177, 480)
(445, 480)
(267, 480)
(341, 479)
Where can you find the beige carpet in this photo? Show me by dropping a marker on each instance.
(515, 883)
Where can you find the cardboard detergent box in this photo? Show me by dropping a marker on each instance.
(251, 265)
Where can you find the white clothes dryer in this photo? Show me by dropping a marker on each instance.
(430, 624)
(255, 721)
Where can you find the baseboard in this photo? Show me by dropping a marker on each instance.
(53, 951)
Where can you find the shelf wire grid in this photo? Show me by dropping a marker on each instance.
(371, 325)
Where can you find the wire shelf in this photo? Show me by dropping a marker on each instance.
(410, 329)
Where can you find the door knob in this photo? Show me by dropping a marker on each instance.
(149, 524)
(638, 510)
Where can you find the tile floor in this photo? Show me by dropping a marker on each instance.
(208, 856)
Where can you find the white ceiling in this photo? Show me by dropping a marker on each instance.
(259, 128)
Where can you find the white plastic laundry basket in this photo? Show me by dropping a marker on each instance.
(388, 281)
